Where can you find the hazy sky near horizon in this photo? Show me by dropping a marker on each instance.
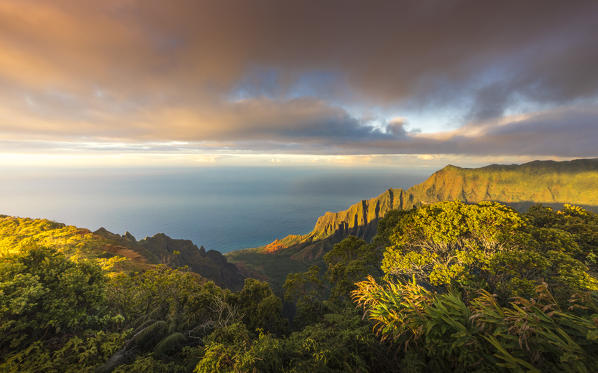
(334, 82)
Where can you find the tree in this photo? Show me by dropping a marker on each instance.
(260, 307)
(44, 294)
(349, 261)
(53, 313)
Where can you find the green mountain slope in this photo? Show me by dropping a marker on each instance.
(547, 182)
(116, 252)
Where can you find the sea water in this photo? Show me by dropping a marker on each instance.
(221, 208)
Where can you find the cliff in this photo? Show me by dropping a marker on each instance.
(546, 182)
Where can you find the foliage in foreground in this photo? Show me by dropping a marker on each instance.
(59, 315)
(445, 287)
(52, 313)
(483, 288)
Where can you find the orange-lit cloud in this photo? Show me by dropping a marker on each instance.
(299, 77)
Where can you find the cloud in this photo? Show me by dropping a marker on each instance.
(315, 128)
(563, 132)
(273, 75)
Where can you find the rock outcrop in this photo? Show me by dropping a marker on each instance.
(162, 249)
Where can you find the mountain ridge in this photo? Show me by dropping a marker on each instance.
(546, 182)
(111, 248)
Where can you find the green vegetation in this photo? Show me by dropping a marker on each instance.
(173, 320)
(483, 288)
(19, 233)
(53, 316)
(444, 287)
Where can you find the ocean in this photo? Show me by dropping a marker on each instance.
(221, 208)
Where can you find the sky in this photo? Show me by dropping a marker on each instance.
(148, 82)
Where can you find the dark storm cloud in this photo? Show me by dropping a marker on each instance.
(566, 132)
(490, 101)
(151, 70)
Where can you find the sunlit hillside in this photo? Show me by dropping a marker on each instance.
(112, 251)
